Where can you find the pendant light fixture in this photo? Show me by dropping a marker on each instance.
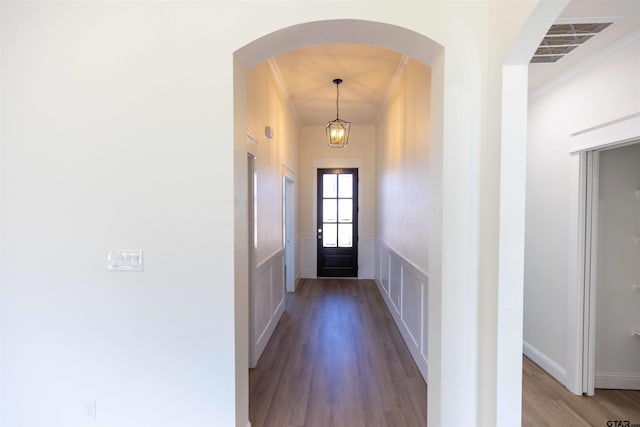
(337, 130)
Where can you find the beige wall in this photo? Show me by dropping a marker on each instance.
(274, 156)
(314, 154)
(404, 196)
(406, 201)
(267, 107)
(123, 126)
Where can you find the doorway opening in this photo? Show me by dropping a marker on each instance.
(611, 272)
(337, 223)
(289, 228)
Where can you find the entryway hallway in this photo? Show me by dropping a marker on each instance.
(336, 359)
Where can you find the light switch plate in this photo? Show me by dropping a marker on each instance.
(129, 260)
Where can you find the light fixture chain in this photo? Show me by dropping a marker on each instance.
(337, 99)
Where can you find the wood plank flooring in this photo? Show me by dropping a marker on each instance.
(337, 359)
(546, 402)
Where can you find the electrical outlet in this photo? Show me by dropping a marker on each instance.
(89, 410)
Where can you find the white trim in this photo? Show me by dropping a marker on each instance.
(589, 20)
(266, 267)
(248, 424)
(405, 260)
(277, 76)
(417, 345)
(587, 65)
(590, 271)
(393, 84)
(289, 173)
(607, 135)
(269, 258)
(581, 327)
(618, 380)
(575, 288)
(545, 362)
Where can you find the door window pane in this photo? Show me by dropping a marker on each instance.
(330, 235)
(345, 235)
(345, 210)
(329, 210)
(345, 185)
(329, 185)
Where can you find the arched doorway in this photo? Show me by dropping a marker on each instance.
(387, 36)
(461, 276)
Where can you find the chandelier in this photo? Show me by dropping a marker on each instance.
(337, 130)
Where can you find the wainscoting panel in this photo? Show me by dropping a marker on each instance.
(405, 289)
(268, 302)
(412, 304)
(308, 260)
(383, 270)
(395, 281)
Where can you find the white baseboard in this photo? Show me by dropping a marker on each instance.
(618, 380)
(545, 362)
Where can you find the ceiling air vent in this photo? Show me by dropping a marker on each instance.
(563, 38)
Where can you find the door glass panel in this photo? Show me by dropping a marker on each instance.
(345, 185)
(329, 185)
(329, 210)
(330, 235)
(345, 210)
(345, 234)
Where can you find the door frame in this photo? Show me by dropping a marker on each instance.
(329, 163)
(584, 190)
(251, 242)
(355, 220)
(289, 228)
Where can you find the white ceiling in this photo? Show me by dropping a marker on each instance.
(368, 72)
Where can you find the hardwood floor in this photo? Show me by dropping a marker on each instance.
(546, 402)
(336, 359)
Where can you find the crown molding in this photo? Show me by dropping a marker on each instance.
(589, 20)
(393, 84)
(277, 76)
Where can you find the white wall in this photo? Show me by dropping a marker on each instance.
(405, 204)
(117, 127)
(274, 157)
(314, 155)
(617, 364)
(111, 139)
(606, 92)
(402, 142)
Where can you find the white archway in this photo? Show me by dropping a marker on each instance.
(475, 327)
(384, 35)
